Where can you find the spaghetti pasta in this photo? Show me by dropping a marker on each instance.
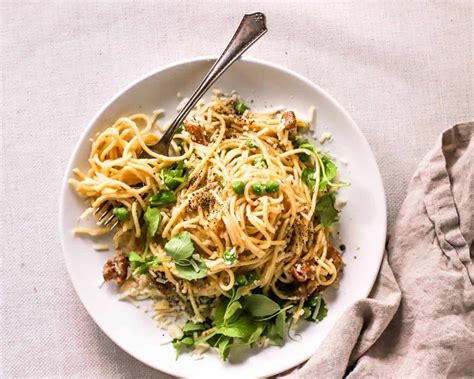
(246, 192)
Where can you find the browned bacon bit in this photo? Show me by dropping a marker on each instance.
(303, 271)
(197, 134)
(116, 268)
(167, 288)
(289, 121)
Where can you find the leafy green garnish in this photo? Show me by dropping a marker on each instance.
(163, 198)
(191, 269)
(325, 210)
(180, 128)
(240, 107)
(243, 327)
(193, 327)
(251, 143)
(232, 311)
(121, 213)
(180, 247)
(141, 265)
(260, 305)
(309, 178)
(223, 345)
(238, 187)
(152, 219)
(174, 176)
(230, 256)
(327, 172)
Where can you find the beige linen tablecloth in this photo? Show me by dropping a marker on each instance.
(403, 69)
(419, 319)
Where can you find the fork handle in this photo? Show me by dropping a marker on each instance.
(251, 28)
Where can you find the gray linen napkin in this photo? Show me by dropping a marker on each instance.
(419, 319)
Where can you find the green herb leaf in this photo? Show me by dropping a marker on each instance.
(252, 276)
(251, 143)
(320, 312)
(325, 210)
(182, 343)
(224, 345)
(242, 328)
(220, 311)
(141, 265)
(163, 198)
(193, 327)
(308, 177)
(174, 176)
(240, 107)
(232, 312)
(256, 335)
(260, 305)
(121, 213)
(280, 324)
(330, 171)
(152, 219)
(180, 247)
(187, 271)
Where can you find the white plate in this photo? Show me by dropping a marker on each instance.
(362, 223)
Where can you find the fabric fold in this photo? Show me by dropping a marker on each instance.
(418, 321)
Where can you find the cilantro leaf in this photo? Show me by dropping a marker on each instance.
(180, 247)
(152, 219)
(325, 210)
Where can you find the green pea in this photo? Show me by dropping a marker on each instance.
(240, 107)
(300, 141)
(252, 276)
(238, 187)
(307, 312)
(241, 280)
(259, 159)
(121, 213)
(258, 189)
(251, 143)
(272, 187)
(312, 300)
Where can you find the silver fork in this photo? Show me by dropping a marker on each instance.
(251, 28)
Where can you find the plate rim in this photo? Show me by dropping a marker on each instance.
(207, 58)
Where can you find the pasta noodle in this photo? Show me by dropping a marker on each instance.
(269, 228)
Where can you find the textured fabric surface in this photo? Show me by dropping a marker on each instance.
(419, 319)
(402, 69)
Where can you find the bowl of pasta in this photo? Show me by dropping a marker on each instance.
(239, 251)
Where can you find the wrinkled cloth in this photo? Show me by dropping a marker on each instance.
(418, 321)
